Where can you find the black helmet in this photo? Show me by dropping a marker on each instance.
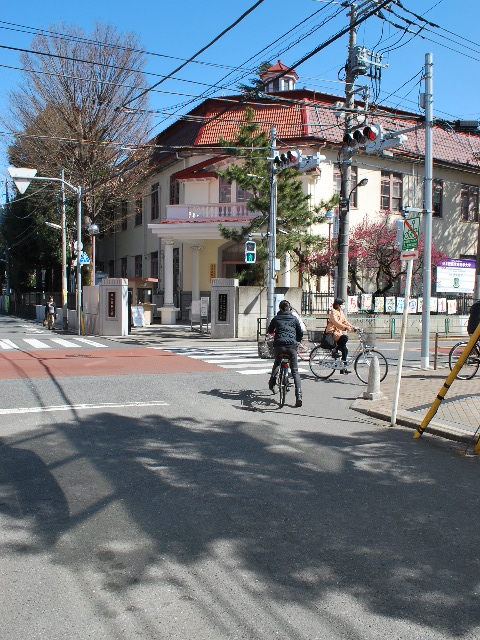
(284, 305)
(338, 302)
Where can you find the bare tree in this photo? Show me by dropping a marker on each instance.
(68, 113)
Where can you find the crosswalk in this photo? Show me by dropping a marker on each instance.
(243, 360)
(29, 344)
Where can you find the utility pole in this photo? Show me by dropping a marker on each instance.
(427, 253)
(272, 238)
(7, 253)
(64, 257)
(346, 164)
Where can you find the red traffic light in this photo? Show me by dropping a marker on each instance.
(372, 132)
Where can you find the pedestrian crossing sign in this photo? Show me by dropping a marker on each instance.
(84, 259)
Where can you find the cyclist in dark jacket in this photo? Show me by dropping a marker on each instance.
(288, 333)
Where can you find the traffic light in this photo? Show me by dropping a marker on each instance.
(250, 252)
(311, 162)
(374, 139)
(288, 159)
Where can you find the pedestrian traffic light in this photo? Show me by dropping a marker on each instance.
(250, 252)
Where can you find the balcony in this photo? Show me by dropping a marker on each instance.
(212, 212)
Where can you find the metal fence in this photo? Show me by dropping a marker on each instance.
(313, 303)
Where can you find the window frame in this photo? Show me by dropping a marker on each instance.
(466, 199)
(153, 262)
(437, 187)
(155, 201)
(391, 179)
(138, 266)
(174, 191)
(138, 209)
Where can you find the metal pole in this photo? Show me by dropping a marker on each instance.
(7, 256)
(64, 257)
(427, 253)
(79, 253)
(402, 342)
(476, 291)
(329, 250)
(93, 259)
(343, 235)
(272, 229)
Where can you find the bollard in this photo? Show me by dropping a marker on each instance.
(373, 387)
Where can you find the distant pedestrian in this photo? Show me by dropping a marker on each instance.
(50, 313)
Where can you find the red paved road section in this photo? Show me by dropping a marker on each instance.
(62, 364)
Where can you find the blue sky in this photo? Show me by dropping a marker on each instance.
(181, 28)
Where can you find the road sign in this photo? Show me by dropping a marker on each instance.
(409, 254)
(84, 259)
(411, 233)
(22, 177)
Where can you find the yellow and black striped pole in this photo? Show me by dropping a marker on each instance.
(448, 383)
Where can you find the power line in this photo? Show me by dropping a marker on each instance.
(184, 64)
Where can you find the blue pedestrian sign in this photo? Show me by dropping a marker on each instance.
(84, 259)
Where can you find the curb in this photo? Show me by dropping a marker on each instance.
(412, 421)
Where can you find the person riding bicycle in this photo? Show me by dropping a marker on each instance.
(288, 333)
(338, 324)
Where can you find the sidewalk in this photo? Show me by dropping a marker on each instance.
(457, 418)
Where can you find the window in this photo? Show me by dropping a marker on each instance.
(437, 198)
(154, 206)
(243, 195)
(124, 214)
(337, 184)
(276, 85)
(391, 195)
(138, 209)
(123, 268)
(154, 264)
(469, 203)
(225, 194)
(138, 266)
(174, 191)
(111, 269)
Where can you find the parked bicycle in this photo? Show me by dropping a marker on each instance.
(323, 364)
(471, 364)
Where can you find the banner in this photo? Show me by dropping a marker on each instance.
(433, 305)
(412, 305)
(390, 304)
(400, 304)
(456, 276)
(379, 305)
(420, 305)
(366, 301)
(451, 306)
(352, 304)
(442, 305)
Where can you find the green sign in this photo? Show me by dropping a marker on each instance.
(411, 233)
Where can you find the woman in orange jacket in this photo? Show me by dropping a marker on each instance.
(338, 324)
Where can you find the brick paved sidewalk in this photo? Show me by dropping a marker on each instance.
(458, 417)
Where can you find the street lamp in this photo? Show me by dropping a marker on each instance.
(22, 178)
(93, 230)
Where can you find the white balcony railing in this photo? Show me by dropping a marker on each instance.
(233, 210)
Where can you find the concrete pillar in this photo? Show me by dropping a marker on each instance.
(168, 311)
(196, 271)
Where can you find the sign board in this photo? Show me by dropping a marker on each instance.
(336, 224)
(138, 317)
(195, 311)
(409, 254)
(456, 276)
(411, 233)
(84, 259)
(22, 177)
(204, 304)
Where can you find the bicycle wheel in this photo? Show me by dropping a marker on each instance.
(282, 385)
(321, 363)
(363, 361)
(470, 366)
(304, 349)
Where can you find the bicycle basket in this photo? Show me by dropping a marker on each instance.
(265, 348)
(369, 338)
(315, 336)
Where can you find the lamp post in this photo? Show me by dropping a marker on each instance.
(93, 230)
(22, 178)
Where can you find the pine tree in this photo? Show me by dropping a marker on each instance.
(295, 216)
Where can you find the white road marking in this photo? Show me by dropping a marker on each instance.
(64, 343)
(80, 407)
(36, 344)
(8, 344)
(92, 343)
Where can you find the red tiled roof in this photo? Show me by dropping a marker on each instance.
(314, 121)
(278, 68)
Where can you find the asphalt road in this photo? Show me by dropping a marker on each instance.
(185, 504)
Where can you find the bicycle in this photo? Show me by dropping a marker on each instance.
(283, 381)
(323, 364)
(305, 348)
(471, 364)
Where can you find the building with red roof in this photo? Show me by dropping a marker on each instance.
(171, 230)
